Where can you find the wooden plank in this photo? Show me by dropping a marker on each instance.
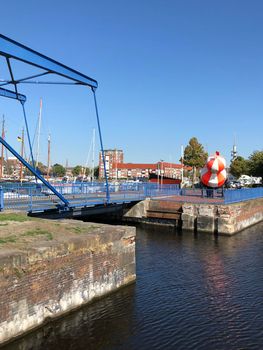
(163, 215)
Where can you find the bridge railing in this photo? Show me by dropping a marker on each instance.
(32, 197)
(242, 194)
(37, 197)
(202, 192)
(28, 198)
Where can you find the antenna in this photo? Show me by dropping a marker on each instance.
(234, 150)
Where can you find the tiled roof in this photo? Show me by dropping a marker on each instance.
(134, 166)
(148, 166)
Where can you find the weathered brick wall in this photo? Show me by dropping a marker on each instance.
(51, 278)
(238, 216)
(224, 219)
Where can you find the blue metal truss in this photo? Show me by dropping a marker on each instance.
(12, 94)
(11, 49)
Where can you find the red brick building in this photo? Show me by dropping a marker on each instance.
(135, 170)
(112, 156)
(116, 169)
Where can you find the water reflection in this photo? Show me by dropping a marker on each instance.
(96, 326)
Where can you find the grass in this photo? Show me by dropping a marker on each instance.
(14, 217)
(10, 239)
(32, 233)
(18, 273)
(38, 231)
(79, 229)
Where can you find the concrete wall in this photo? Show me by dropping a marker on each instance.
(138, 211)
(54, 277)
(223, 219)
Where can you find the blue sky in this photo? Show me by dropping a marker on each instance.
(167, 71)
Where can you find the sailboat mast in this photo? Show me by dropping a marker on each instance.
(38, 131)
(93, 155)
(22, 155)
(2, 149)
(48, 156)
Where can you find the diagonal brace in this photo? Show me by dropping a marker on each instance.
(28, 166)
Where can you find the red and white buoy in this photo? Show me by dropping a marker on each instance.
(214, 173)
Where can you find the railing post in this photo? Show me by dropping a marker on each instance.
(1, 198)
(30, 195)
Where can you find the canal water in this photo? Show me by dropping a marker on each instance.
(192, 292)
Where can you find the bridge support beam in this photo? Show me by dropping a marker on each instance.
(33, 170)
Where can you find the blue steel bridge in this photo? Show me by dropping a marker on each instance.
(35, 198)
(67, 197)
(62, 197)
(39, 198)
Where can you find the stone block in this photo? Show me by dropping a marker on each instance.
(205, 223)
(188, 222)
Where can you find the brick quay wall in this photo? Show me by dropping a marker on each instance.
(222, 219)
(213, 218)
(48, 268)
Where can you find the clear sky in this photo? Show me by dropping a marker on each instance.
(167, 70)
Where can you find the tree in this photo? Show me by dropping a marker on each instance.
(88, 171)
(96, 172)
(42, 169)
(239, 166)
(58, 170)
(255, 164)
(77, 170)
(195, 155)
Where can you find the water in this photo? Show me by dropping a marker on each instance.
(192, 292)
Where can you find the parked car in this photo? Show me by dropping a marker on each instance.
(235, 184)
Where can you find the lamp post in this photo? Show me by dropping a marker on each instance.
(161, 173)
(182, 164)
(158, 170)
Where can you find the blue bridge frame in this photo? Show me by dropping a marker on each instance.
(11, 49)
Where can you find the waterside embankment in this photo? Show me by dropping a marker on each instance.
(224, 219)
(48, 268)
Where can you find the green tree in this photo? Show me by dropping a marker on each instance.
(77, 170)
(58, 170)
(96, 172)
(195, 155)
(256, 164)
(88, 171)
(42, 168)
(239, 166)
